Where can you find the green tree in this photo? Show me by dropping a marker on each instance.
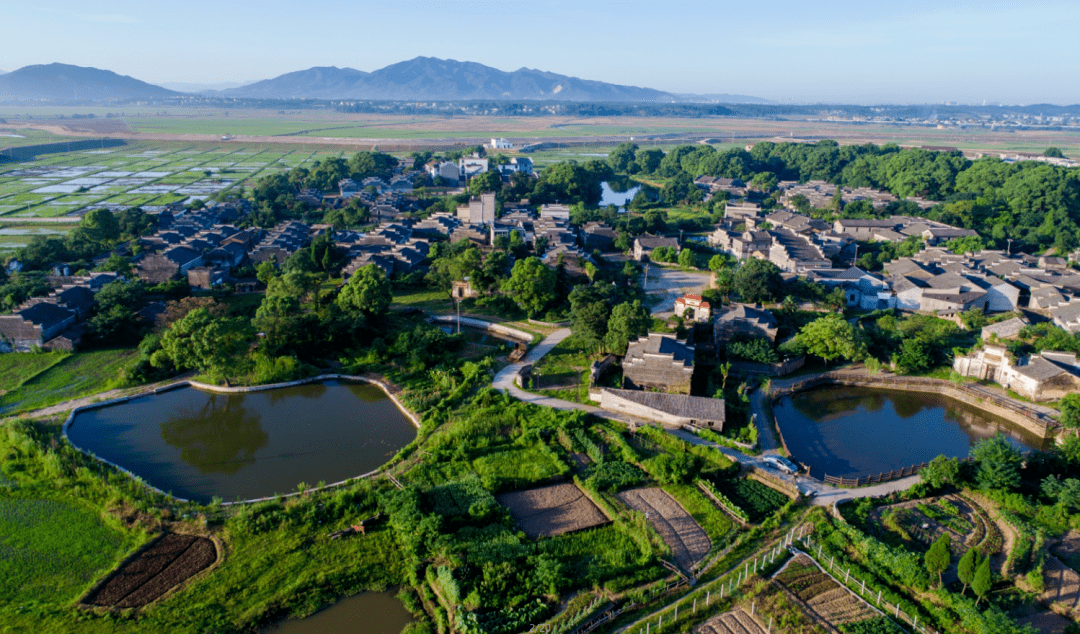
(490, 181)
(830, 338)
(999, 463)
(941, 471)
(100, 225)
(531, 285)
(1070, 413)
(965, 570)
(368, 293)
(114, 319)
(757, 281)
(628, 322)
(724, 281)
(687, 259)
(648, 161)
(1053, 152)
(623, 158)
(203, 342)
(982, 580)
(938, 558)
(590, 309)
(764, 181)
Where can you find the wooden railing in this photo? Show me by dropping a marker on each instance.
(884, 476)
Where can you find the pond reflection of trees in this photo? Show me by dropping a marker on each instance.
(221, 436)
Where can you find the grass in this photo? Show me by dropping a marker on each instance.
(56, 547)
(717, 525)
(16, 369)
(74, 376)
(562, 373)
(516, 468)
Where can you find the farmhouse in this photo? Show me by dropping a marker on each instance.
(698, 308)
(741, 320)
(1044, 377)
(646, 244)
(659, 361)
(34, 325)
(668, 409)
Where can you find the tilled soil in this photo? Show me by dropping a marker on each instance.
(687, 540)
(736, 621)
(829, 600)
(170, 561)
(552, 510)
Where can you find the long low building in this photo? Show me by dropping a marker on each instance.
(668, 409)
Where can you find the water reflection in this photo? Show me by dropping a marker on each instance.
(220, 436)
(367, 613)
(618, 191)
(847, 431)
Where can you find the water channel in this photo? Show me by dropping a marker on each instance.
(198, 444)
(854, 432)
(364, 613)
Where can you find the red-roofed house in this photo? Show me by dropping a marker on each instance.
(700, 309)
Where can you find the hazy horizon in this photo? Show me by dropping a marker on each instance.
(835, 52)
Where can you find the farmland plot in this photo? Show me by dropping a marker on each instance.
(688, 541)
(828, 600)
(736, 621)
(169, 562)
(552, 510)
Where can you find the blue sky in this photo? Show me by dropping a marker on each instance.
(827, 51)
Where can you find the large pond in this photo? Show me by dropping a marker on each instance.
(198, 444)
(854, 432)
(368, 612)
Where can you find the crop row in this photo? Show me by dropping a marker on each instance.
(723, 500)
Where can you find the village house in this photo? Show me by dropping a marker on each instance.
(33, 326)
(644, 245)
(1008, 329)
(742, 320)
(1044, 377)
(861, 289)
(1067, 316)
(659, 362)
(694, 308)
(668, 409)
(599, 236)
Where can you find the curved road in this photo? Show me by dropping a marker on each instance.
(822, 494)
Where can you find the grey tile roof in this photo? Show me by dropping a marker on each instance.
(692, 407)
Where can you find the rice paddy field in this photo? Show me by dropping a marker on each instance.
(139, 174)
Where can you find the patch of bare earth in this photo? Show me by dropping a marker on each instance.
(167, 563)
(826, 598)
(1045, 622)
(736, 621)
(1062, 587)
(552, 510)
(688, 541)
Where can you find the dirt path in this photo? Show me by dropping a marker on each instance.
(67, 406)
(1008, 533)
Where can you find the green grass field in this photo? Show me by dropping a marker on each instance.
(74, 376)
(717, 525)
(16, 369)
(54, 547)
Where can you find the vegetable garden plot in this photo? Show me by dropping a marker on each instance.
(758, 500)
(824, 596)
(170, 561)
(688, 541)
(736, 621)
(552, 510)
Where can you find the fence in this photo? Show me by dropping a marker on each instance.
(895, 474)
(727, 584)
(859, 588)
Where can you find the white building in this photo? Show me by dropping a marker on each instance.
(501, 144)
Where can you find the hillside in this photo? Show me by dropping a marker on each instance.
(67, 83)
(441, 80)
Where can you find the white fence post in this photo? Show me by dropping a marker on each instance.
(864, 586)
(708, 595)
(770, 625)
(879, 597)
(752, 604)
(897, 610)
(695, 605)
(676, 611)
(848, 576)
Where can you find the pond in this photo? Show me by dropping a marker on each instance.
(618, 192)
(367, 612)
(854, 432)
(198, 444)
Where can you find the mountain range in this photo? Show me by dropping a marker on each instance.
(422, 79)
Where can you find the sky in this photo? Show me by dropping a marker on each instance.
(831, 51)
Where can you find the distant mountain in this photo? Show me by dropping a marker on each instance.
(195, 87)
(63, 82)
(722, 98)
(429, 78)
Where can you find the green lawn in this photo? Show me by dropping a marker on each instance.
(15, 369)
(717, 524)
(518, 467)
(563, 372)
(76, 375)
(54, 548)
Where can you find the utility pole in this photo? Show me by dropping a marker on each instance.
(1009, 252)
(645, 287)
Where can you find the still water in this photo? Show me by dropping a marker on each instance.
(852, 431)
(617, 193)
(365, 613)
(198, 444)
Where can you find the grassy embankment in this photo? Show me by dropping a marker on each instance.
(33, 381)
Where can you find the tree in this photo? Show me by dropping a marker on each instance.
(590, 309)
(757, 281)
(1053, 152)
(940, 472)
(623, 157)
(999, 463)
(100, 225)
(628, 322)
(836, 299)
(203, 342)
(114, 319)
(368, 293)
(490, 181)
(982, 580)
(830, 338)
(965, 570)
(724, 280)
(938, 558)
(687, 259)
(1070, 413)
(648, 161)
(531, 285)
(764, 181)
